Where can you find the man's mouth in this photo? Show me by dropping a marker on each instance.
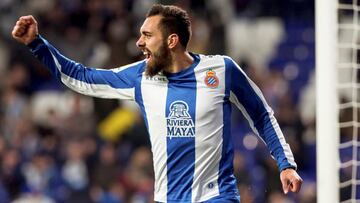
(147, 54)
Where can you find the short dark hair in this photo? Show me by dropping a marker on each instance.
(174, 20)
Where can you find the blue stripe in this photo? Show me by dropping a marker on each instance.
(181, 144)
(211, 81)
(41, 49)
(257, 112)
(227, 181)
(123, 79)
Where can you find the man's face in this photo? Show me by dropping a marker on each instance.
(154, 46)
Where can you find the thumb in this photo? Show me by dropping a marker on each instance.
(285, 185)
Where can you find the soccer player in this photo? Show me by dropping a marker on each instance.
(185, 99)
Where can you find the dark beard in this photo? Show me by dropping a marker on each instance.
(161, 60)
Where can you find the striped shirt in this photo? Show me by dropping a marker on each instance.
(187, 115)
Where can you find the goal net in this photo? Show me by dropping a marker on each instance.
(338, 100)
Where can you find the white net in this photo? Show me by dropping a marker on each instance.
(348, 71)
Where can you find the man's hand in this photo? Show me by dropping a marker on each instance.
(291, 181)
(25, 30)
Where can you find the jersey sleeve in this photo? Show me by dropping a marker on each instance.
(116, 83)
(249, 99)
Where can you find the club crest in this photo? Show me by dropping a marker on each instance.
(211, 80)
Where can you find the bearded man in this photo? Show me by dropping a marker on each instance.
(185, 99)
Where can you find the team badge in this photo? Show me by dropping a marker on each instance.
(211, 80)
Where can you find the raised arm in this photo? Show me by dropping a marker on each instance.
(116, 83)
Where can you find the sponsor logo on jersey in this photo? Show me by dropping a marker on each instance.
(211, 80)
(179, 122)
(157, 78)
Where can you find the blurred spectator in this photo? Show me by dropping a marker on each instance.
(138, 175)
(75, 172)
(11, 177)
(13, 101)
(43, 177)
(115, 194)
(106, 177)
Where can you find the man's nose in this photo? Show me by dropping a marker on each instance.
(140, 43)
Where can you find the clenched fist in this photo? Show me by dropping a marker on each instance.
(291, 181)
(25, 30)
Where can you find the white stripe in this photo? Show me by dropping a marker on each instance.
(154, 100)
(286, 148)
(208, 129)
(97, 90)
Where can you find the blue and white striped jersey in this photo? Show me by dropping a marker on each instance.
(188, 118)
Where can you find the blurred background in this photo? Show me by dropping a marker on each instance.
(59, 146)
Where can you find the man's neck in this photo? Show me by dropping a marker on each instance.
(180, 61)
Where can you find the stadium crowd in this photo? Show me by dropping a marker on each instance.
(59, 146)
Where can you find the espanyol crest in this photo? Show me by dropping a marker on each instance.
(179, 122)
(211, 80)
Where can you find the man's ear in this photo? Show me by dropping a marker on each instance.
(172, 41)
